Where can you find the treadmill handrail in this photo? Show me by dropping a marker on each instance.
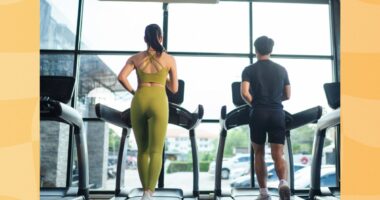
(179, 116)
(56, 111)
(242, 112)
(52, 110)
(329, 120)
(113, 116)
(294, 121)
(184, 118)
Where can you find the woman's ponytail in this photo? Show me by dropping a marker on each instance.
(152, 35)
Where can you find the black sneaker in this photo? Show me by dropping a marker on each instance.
(284, 192)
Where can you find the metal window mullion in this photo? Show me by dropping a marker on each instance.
(334, 35)
(161, 180)
(75, 93)
(251, 55)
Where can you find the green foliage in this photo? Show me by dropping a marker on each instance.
(203, 166)
(177, 166)
(302, 139)
(113, 141)
(237, 137)
(207, 156)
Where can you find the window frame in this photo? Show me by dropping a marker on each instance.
(334, 57)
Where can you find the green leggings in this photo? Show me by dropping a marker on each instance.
(149, 117)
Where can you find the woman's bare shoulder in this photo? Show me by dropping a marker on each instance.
(137, 57)
(169, 58)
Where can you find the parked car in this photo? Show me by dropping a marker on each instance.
(242, 171)
(238, 161)
(245, 181)
(302, 177)
(328, 177)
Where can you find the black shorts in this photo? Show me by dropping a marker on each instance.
(271, 121)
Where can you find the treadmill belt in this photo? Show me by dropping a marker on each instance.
(326, 198)
(60, 198)
(159, 194)
(249, 194)
(158, 198)
(272, 198)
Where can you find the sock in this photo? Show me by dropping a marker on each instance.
(264, 191)
(283, 182)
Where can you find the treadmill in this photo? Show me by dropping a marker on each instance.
(330, 120)
(56, 92)
(177, 116)
(240, 116)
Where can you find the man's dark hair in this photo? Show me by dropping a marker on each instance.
(264, 45)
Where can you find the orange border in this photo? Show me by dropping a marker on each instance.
(19, 118)
(19, 61)
(360, 91)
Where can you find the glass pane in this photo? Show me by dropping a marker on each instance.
(236, 166)
(131, 176)
(58, 24)
(208, 82)
(103, 141)
(306, 79)
(112, 25)
(54, 147)
(328, 169)
(56, 64)
(222, 27)
(178, 161)
(207, 135)
(98, 83)
(295, 28)
(302, 144)
(302, 147)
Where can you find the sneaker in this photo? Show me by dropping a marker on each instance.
(284, 192)
(263, 197)
(146, 196)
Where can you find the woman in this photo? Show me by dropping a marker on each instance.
(149, 107)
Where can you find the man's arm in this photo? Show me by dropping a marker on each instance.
(286, 93)
(244, 91)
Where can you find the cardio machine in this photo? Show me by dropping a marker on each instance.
(240, 116)
(330, 120)
(56, 92)
(178, 116)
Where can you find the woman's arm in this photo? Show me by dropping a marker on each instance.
(245, 94)
(172, 81)
(124, 73)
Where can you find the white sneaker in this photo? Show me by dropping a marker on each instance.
(263, 197)
(146, 196)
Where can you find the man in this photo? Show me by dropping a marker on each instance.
(265, 84)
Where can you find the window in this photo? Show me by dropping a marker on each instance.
(229, 32)
(306, 78)
(194, 30)
(213, 92)
(103, 142)
(54, 151)
(111, 25)
(329, 158)
(295, 28)
(56, 64)
(58, 24)
(98, 83)
(328, 180)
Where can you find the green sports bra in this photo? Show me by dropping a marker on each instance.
(157, 77)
